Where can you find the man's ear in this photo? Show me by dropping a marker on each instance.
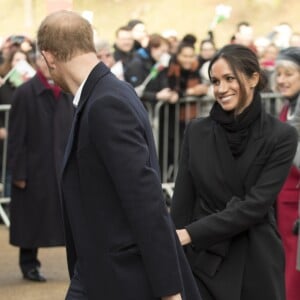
(50, 60)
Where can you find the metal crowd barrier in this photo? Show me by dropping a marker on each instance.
(272, 102)
(168, 123)
(3, 198)
(168, 127)
(167, 130)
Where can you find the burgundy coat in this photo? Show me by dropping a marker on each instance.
(287, 213)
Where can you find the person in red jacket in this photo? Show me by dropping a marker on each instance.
(288, 84)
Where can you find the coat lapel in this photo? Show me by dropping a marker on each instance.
(70, 142)
(96, 74)
(254, 146)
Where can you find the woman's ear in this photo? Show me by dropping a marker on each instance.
(254, 79)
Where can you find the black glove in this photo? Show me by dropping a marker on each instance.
(296, 227)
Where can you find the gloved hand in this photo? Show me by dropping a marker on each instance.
(296, 227)
(295, 122)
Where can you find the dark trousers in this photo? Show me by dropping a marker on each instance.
(28, 259)
(76, 290)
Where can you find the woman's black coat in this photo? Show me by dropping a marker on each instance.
(226, 206)
(38, 130)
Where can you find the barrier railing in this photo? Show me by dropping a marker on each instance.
(3, 198)
(168, 122)
(272, 102)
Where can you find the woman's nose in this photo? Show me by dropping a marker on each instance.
(222, 87)
(280, 78)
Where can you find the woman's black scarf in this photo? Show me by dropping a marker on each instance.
(237, 127)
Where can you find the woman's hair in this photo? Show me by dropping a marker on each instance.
(286, 64)
(209, 41)
(183, 45)
(7, 64)
(189, 39)
(241, 60)
(156, 40)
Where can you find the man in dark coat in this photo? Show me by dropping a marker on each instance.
(121, 243)
(40, 121)
(123, 47)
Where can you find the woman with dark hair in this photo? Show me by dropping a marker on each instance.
(184, 72)
(185, 80)
(233, 165)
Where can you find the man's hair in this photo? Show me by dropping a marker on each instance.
(65, 34)
(122, 28)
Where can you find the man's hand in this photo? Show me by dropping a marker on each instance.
(173, 297)
(174, 97)
(21, 184)
(164, 94)
(3, 133)
(183, 236)
(197, 90)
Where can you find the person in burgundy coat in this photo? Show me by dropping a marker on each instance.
(40, 121)
(288, 84)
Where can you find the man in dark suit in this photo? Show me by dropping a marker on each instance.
(121, 243)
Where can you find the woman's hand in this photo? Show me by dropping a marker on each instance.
(174, 297)
(184, 237)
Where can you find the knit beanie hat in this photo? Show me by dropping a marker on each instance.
(291, 54)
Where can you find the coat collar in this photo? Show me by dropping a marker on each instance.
(38, 86)
(96, 74)
(99, 71)
(235, 171)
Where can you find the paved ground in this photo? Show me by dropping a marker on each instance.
(13, 287)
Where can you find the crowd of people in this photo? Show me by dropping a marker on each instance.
(236, 199)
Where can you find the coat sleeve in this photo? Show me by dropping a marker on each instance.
(119, 139)
(184, 193)
(243, 213)
(17, 129)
